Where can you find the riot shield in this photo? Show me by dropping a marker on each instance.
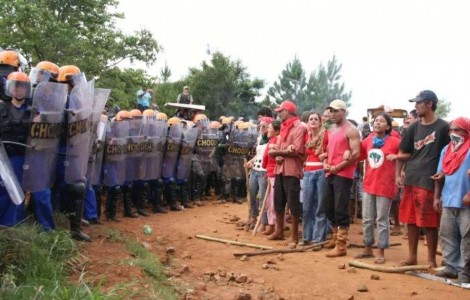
(155, 136)
(187, 147)
(46, 120)
(240, 146)
(206, 146)
(115, 148)
(8, 178)
(173, 143)
(100, 97)
(78, 133)
(135, 169)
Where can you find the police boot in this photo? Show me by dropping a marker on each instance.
(183, 195)
(139, 200)
(127, 199)
(76, 194)
(170, 197)
(111, 203)
(236, 192)
(156, 197)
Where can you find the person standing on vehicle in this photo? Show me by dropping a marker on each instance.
(185, 97)
(144, 97)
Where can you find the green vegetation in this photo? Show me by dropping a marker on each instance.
(36, 265)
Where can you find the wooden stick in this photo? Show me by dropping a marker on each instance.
(230, 242)
(247, 180)
(268, 187)
(352, 245)
(276, 251)
(362, 265)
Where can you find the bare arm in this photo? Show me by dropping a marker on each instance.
(354, 139)
(437, 194)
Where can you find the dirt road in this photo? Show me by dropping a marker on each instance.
(204, 268)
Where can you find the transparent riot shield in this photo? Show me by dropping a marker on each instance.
(239, 148)
(78, 133)
(155, 136)
(187, 148)
(173, 143)
(8, 178)
(206, 146)
(97, 126)
(115, 148)
(135, 169)
(47, 113)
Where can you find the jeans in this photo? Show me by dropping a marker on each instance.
(376, 208)
(455, 240)
(313, 210)
(336, 197)
(258, 183)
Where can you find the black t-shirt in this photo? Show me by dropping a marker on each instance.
(425, 143)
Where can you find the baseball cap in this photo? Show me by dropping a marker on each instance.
(287, 105)
(425, 95)
(337, 104)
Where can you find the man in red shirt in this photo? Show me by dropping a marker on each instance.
(342, 137)
(289, 154)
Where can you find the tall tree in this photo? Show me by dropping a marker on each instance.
(322, 86)
(325, 85)
(443, 108)
(292, 85)
(79, 32)
(224, 87)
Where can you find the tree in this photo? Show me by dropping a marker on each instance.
(325, 85)
(443, 108)
(292, 85)
(124, 85)
(224, 87)
(79, 32)
(322, 86)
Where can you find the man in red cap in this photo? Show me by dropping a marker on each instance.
(289, 154)
(449, 197)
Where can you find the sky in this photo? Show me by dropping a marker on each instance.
(389, 50)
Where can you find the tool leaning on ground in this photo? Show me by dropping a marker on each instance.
(258, 221)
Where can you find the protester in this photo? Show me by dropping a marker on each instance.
(342, 137)
(289, 155)
(451, 185)
(258, 179)
(420, 148)
(379, 150)
(314, 218)
(269, 163)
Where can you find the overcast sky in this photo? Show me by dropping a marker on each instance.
(390, 50)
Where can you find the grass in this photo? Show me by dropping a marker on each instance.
(158, 286)
(34, 265)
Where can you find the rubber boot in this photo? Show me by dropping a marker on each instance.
(76, 194)
(138, 199)
(170, 197)
(341, 240)
(155, 197)
(278, 227)
(332, 243)
(127, 199)
(295, 228)
(183, 197)
(111, 203)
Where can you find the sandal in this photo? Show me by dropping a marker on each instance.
(379, 260)
(364, 255)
